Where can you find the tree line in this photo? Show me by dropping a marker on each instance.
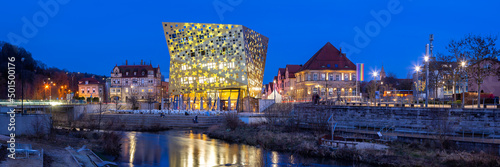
(35, 75)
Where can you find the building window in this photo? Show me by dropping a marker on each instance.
(354, 77)
(308, 77)
(330, 91)
(83, 91)
(315, 77)
(126, 73)
(142, 81)
(142, 90)
(323, 77)
(315, 90)
(337, 77)
(322, 91)
(93, 90)
(88, 90)
(330, 77)
(118, 90)
(126, 90)
(112, 90)
(135, 73)
(346, 77)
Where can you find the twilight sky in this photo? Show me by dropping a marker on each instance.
(93, 36)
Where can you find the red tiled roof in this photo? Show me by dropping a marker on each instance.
(326, 58)
(292, 69)
(90, 81)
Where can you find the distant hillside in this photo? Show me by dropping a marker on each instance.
(36, 75)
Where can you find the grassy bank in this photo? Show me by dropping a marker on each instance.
(306, 143)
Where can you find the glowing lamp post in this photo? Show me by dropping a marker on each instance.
(417, 69)
(463, 83)
(374, 74)
(426, 58)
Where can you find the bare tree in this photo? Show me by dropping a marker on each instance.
(477, 48)
(117, 103)
(101, 110)
(134, 102)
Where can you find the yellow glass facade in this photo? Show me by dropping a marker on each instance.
(206, 60)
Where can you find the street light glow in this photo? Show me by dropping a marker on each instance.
(463, 63)
(374, 73)
(417, 68)
(426, 58)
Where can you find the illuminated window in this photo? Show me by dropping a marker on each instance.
(315, 77)
(330, 77)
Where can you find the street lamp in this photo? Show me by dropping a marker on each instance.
(22, 85)
(417, 69)
(426, 58)
(374, 74)
(463, 87)
(274, 89)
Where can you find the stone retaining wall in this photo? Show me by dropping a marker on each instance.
(476, 121)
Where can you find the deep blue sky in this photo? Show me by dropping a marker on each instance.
(93, 36)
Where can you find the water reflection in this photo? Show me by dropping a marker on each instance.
(190, 148)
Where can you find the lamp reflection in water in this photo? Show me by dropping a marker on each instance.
(189, 148)
(132, 141)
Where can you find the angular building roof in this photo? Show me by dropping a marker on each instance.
(136, 68)
(90, 81)
(282, 71)
(292, 69)
(328, 57)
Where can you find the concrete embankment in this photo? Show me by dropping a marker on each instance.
(146, 121)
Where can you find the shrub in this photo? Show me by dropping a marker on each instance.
(111, 143)
(231, 120)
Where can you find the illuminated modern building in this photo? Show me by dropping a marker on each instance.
(213, 61)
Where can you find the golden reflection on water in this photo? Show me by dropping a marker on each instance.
(132, 142)
(188, 148)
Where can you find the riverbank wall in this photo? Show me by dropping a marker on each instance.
(468, 129)
(145, 121)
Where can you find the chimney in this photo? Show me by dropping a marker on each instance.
(142, 62)
(126, 62)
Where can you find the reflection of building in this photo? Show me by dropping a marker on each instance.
(215, 60)
(328, 73)
(140, 81)
(90, 88)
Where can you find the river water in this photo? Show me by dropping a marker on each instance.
(186, 148)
